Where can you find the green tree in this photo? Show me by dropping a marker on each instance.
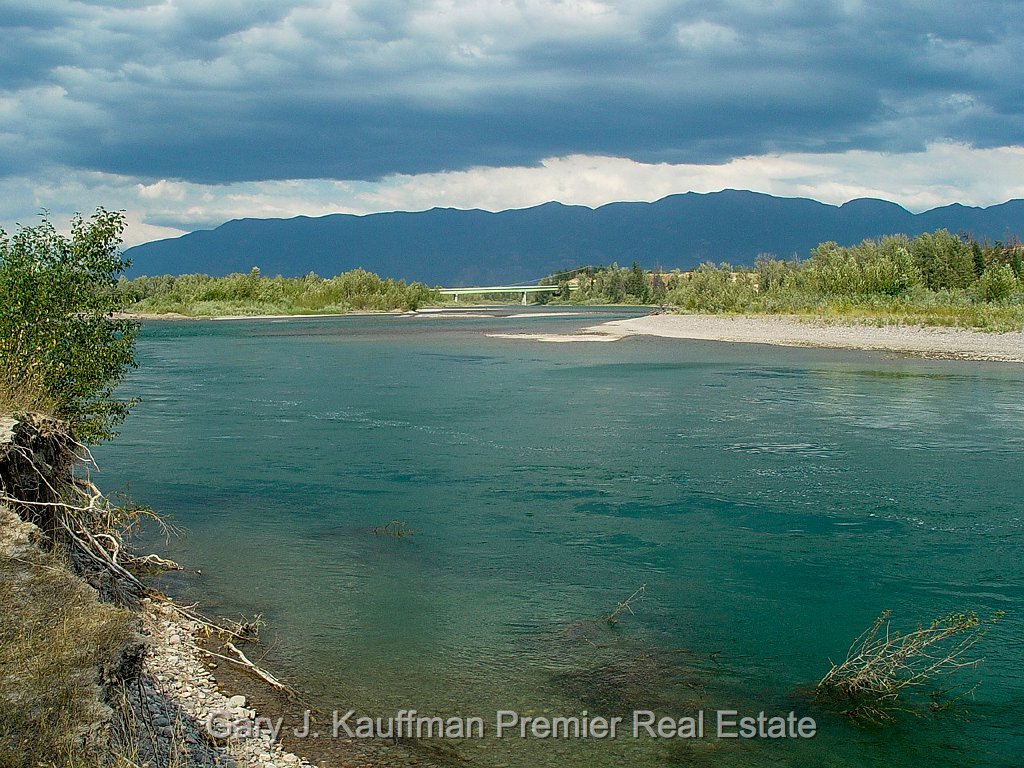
(978, 257)
(635, 284)
(771, 272)
(997, 283)
(711, 288)
(946, 262)
(59, 335)
(658, 287)
(1016, 259)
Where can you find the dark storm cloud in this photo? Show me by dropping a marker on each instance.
(356, 90)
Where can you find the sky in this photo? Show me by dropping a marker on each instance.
(188, 113)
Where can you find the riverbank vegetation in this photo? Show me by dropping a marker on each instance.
(58, 646)
(62, 354)
(253, 294)
(62, 349)
(73, 677)
(936, 278)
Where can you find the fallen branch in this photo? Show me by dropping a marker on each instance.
(241, 660)
(626, 605)
(154, 561)
(884, 665)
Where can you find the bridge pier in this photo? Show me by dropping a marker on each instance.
(524, 298)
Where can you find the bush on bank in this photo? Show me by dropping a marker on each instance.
(63, 350)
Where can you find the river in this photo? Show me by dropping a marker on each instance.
(771, 501)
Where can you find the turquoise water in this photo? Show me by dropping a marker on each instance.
(772, 500)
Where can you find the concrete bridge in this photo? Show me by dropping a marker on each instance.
(525, 290)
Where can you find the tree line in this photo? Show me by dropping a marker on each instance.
(937, 277)
(253, 294)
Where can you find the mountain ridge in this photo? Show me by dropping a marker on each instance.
(456, 246)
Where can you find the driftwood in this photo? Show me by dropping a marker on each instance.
(626, 605)
(883, 665)
(241, 660)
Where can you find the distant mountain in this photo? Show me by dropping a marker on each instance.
(457, 247)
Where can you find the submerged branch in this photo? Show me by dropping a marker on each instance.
(884, 666)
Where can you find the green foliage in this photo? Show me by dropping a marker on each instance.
(773, 274)
(883, 267)
(977, 259)
(713, 289)
(59, 335)
(635, 284)
(253, 294)
(933, 279)
(610, 285)
(997, 283)
(946, 262)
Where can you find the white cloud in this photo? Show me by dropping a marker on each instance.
(705, 35)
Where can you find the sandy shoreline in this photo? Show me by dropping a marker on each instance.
(930, 342)
(941, 343)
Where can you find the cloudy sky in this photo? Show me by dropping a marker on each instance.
(187, 113)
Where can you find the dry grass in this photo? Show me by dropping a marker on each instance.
(884, 667)
(57, 645)
(21, 395)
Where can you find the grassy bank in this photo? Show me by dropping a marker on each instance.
(58, 645)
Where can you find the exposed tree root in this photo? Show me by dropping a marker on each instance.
(44, 477)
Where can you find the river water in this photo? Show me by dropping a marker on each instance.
(771, 501)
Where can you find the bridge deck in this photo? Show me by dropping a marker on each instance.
(505, 289)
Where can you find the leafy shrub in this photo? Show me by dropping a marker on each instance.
(883, 267)
(945, 261)
(713, 289)
(59, 335)
(997, 283)
(253, 294)
(772, 274)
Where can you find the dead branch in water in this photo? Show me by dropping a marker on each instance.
(626, 605)
(228, 633)
(883, 665)
(262, 674)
